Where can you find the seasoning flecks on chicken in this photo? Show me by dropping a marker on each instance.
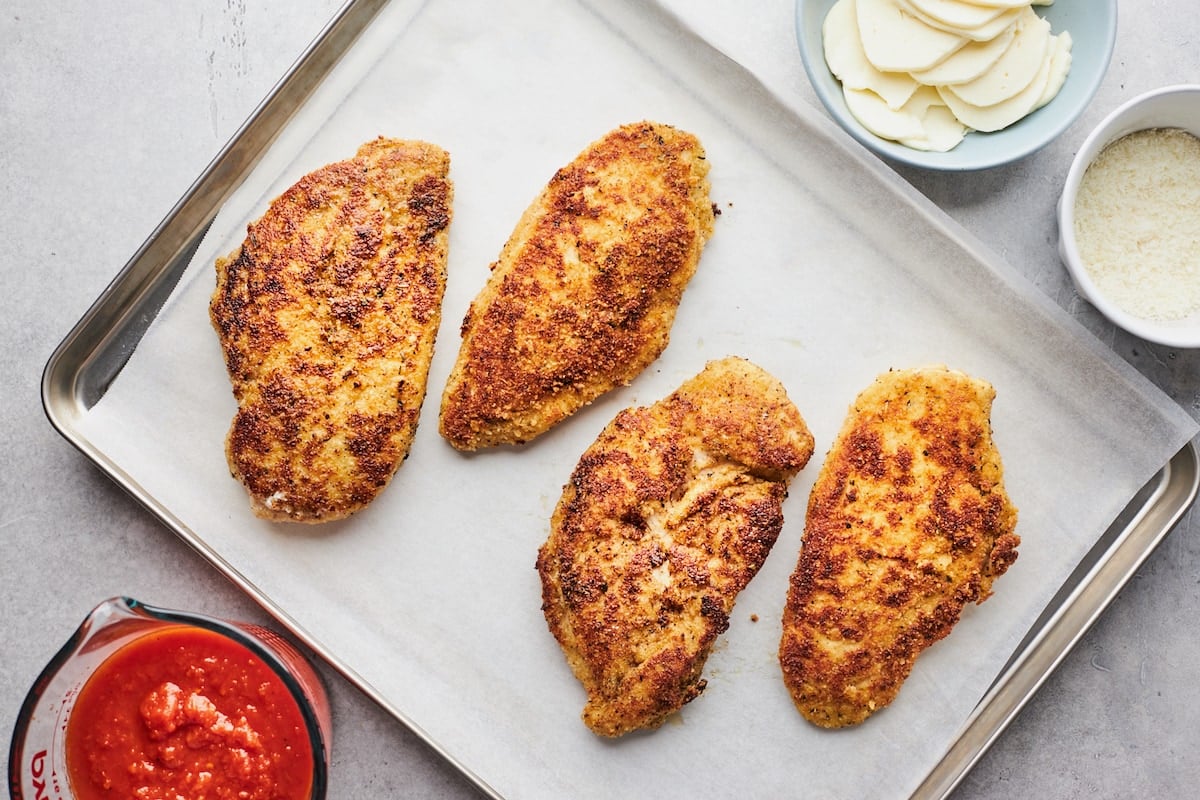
(667, 517)
(908, 522)
(584, 293)
(327, 315)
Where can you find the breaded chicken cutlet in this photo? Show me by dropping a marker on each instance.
(666, 518)
(584, 293)
(327, 315)
(907, 523)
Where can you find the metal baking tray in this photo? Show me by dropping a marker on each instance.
(1118, 553)
(90, 360)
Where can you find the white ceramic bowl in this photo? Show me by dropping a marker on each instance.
(1168, 107)
(1093, 28)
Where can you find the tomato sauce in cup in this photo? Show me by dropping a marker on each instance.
(187, 712)
(143, 702)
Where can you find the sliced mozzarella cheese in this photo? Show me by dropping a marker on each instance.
(874, 114)
(922, 100)
(955, 13)
(1060, 65)
(923, 123)
(1017, 66)
(981, 33)
(943, 131)
(848, 61)
(1006, 3)
(999, 115)
(968, 62)
(926, 72)
(896, 41)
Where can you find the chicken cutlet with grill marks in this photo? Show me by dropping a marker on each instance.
(327, 315)
(584, 293)
(908, 522)
(668, 515)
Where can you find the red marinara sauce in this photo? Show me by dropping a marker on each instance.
(186, 712)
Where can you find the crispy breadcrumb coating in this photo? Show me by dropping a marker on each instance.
(666, 518)
(907, 523)
(327, 315)
(585, 290)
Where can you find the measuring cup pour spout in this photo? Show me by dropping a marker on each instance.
(36, 768)
(37, 765)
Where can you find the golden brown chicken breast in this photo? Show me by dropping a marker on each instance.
(327, 315)
(666, 518)
(908, 522)
(585, 290)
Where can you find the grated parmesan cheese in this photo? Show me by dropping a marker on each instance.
(1137, 223)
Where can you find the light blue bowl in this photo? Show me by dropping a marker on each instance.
(1093, 28)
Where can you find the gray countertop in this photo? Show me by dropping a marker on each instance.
(108, 114)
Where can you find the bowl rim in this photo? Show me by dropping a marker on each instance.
(1115, 125)
(823, 82)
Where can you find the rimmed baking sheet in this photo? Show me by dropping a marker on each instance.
(825, 268)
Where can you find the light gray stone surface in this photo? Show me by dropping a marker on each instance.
(108, 112)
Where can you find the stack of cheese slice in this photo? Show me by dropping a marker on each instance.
(925, 72)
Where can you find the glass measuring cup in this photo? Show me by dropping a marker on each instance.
(37, 756)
